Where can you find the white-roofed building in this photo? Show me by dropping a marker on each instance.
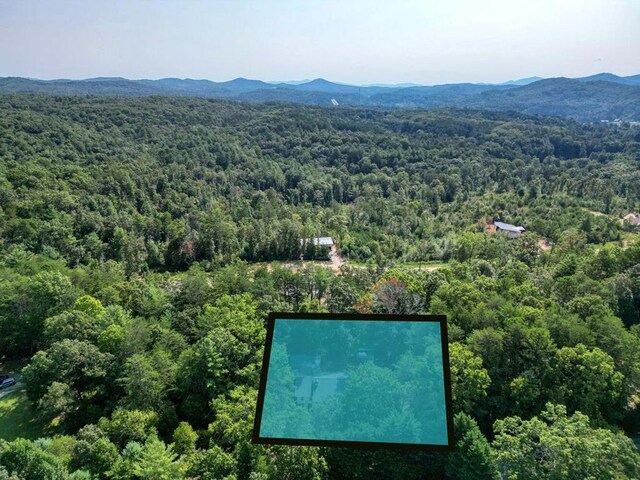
(318, 241)
(311, 389)
(514, 231)
(317, 248)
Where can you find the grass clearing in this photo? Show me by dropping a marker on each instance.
(18, 418)
(430, 265)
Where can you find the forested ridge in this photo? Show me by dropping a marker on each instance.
(599, 97)
(133, 239)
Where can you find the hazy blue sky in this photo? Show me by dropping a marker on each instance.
(422, 41)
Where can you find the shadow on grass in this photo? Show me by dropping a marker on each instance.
(18, 418)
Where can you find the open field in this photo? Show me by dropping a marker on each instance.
(17, 416)
(349, 263)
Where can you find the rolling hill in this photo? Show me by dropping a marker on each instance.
(564, 97)
(604, 96)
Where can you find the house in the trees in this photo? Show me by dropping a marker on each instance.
(317, 248)
(318, 241)
(513, 231)
(632, 219)
(310, 389)
(312, 383)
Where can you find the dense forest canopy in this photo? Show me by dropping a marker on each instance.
(162, 182)
(134, 236)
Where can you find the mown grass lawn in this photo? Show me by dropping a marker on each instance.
(17, 417)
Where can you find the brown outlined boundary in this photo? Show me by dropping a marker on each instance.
(441, 319)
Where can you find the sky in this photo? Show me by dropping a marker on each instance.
(351, 41)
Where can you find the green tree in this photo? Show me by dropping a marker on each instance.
(28, 304)
(158, 462)
(94, 452)
(184, 438)
(144, 386)
(556, 446)
(473, 457)
(29, 461)
(89, 305)
(74, 325)
(469, 380)
(59, 403)
(587, 380)
(234, 415)
(212, 464)
(236, 314)
(212, 367)
(297, 463)
(126, 426)
(78, 365)
(342, 296)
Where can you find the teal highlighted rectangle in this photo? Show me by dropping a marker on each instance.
(355, 380)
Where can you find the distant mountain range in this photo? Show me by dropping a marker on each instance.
(604, 96)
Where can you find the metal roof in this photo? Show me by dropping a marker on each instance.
(508, 227)
(320, 241)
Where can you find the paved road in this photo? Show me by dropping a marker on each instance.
(18, 386)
